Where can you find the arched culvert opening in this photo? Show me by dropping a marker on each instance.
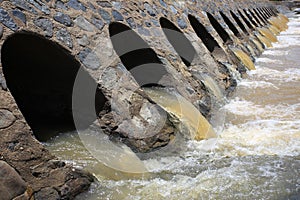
(259, 22)
(250, 26)
(203, 34)
(217, 26)
(238, 21)
(136, 55)
(181, 44)
(264, 14)
(250, 18)
(260, 16)
(40, 75)
(230, 25)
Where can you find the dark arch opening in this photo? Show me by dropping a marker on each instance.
(181, 44)
(230, 24)
(203, 34)
(40, 75)
(238, 21)
(250, 18)
(267, 12)
(246, 21)
(136, 55)
(256, 18)
(264, 14)
(217, 26)
(260, 16)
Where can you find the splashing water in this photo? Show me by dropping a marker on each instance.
(255, 156)
(268, 34)
(244, 58)
(190, 118)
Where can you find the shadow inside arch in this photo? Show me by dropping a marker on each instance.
(40, 75)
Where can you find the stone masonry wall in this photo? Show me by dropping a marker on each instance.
(81, 29)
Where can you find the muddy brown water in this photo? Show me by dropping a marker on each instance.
(256, 154)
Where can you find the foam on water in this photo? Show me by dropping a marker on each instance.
(256, 154)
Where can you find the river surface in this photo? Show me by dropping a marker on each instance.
(255, 156)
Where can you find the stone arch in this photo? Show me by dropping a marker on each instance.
(260, 16)
(203, 34)
(259, 22)
(230, 25)
(40, 75)
(136, 55)
(250, 18)
(217, 26)
(245, 20)
(238, 21)
(179, 41)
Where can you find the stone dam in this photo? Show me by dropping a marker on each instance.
(104, 66)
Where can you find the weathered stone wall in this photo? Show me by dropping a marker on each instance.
(82, 29)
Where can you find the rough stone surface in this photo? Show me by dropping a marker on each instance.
(64, 36)
(105, 15)
(7, 21)
(11, 184)
(24, 5)
(46, 25)
(77, 5)
(98, 23)
(117, 16)
(87, 39)
(20, 15)
(84, 24)
(63, 19)
(89, 59)
(6, 118)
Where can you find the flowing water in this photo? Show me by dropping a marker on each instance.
(255, 156)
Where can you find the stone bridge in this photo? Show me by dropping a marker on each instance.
(54, 52)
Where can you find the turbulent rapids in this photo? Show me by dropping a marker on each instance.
(256, 152)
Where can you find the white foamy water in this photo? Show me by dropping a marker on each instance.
(255, 156)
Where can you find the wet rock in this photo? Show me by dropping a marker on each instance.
(117, 16)
(20, 15)
(11, 184)
(84, 24)
(45, 24)
(59, 4)
(7, 21)
(131, 22)
(64, 36)
(181, 23)
(77, 5)
(63, 19)
(98, 23)
(104, 4)
(46, 193)
(40, 5)
(89, 59)
(150, 10)
(24, 5)
(84, 41)
(6, 118)
(105, 15)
